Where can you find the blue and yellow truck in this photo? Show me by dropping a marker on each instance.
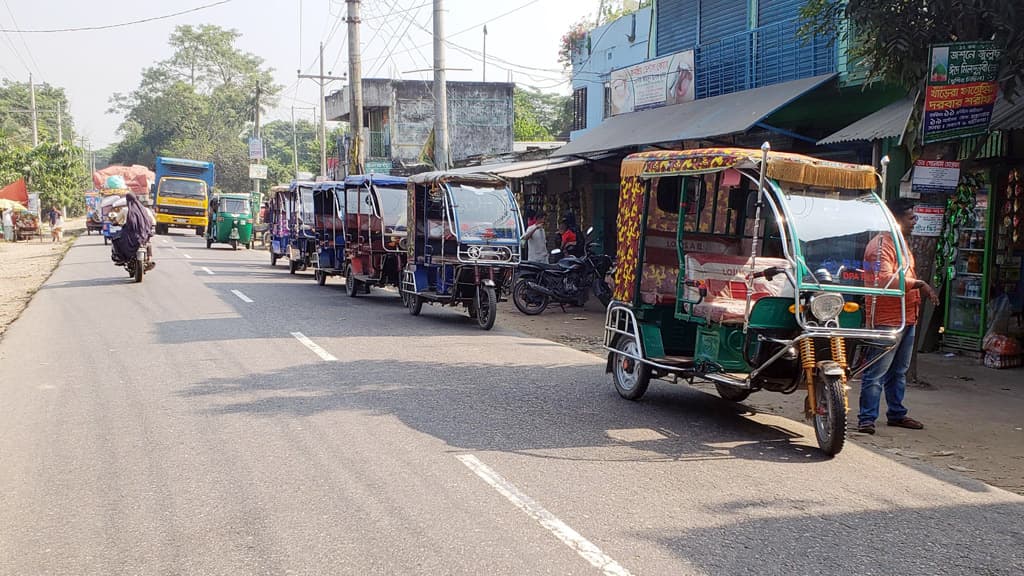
(181, 194)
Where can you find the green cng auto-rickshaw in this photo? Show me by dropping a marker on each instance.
(230, 221)
(747, 268)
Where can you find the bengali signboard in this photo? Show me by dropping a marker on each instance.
(961, 90)
(935, 177)
(929, 220)
(658, 82)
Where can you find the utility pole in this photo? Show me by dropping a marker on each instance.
(355, 74)
(440, 91)
(322, 79)
(35, 119)
(295, 145)
(60, 125)
(485, 52)
(256, 181)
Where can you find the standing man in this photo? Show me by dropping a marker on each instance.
(890, 372)
(536, 240)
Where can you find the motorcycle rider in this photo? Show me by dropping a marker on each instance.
(136, 230)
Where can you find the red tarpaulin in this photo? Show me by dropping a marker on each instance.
(15, 191)
(138, 178)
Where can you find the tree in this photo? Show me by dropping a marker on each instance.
(196, 104)
(16, 116)
(57, 172)
(540, 116)
(891, 37)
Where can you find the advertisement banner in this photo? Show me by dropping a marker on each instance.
(929, 220)
(258, 171)
(935, 177)
(961, 90)
(659, 82)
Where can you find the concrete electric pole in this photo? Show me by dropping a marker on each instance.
(256, 181)
(355, 82)
(440, 91)
(322, 79)
(35, 118)
(485, 52)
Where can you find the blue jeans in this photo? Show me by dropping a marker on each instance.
(890, 374)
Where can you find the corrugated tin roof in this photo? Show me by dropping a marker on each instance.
(717, 116)
(889, 122)
(1006, 116)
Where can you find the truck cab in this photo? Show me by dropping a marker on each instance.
(181, 194)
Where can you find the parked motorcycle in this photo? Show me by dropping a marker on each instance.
(569, 281)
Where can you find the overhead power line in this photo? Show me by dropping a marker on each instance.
(119, 25)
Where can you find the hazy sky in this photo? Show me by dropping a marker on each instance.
(92, 65)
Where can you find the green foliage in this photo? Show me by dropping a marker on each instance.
(16, 118)
(615, 9)
(540, 116)
(891, 37)
(196, 104)
(57, 173)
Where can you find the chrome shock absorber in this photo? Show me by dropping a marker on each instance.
(839, 357)
(807, 361)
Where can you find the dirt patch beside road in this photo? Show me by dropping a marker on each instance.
(24, 266)
(973, 416)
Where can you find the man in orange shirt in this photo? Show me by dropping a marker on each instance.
(890, 372)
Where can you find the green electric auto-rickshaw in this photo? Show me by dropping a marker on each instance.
(230, 221)
(748, 269)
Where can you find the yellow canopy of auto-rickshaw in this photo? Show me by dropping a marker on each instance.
(784, 166)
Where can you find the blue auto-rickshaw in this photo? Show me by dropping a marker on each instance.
(292, 234)
(463, 242)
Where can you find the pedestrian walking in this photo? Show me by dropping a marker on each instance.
(536, 240)
(56, 225)
(8, 225)
(889, 373)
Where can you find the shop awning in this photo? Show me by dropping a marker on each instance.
(717, 116)
(521, 169)
(889, 122)
(1006, 116)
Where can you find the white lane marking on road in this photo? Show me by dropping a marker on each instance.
(187, 256)
(571, 538)
(242, 297)
(312, 346)
(207, 270)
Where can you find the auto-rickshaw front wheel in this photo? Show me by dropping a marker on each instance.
(829, 412)
(486, 305)
(630, 376)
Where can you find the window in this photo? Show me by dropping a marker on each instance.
(607, 99)
(579, 109)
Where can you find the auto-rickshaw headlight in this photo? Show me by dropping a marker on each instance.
(826, 307)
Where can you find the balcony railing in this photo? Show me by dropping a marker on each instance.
(761, 57)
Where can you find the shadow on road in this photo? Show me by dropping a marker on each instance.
(797, 538)
(522, 409)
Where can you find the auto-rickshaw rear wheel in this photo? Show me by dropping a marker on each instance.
(351, 284)
(829, 413)
(631, 377)
(273, 259)
(486, 305)
(321, 277)
(731, 393)
(415, 304)
(293, 266)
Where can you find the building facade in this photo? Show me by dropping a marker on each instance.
(398, 120)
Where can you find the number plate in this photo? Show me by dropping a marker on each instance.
(181, 220)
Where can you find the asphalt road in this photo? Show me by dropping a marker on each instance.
(175, 427)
